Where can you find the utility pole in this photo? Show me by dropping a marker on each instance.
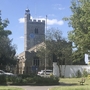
(45, 47)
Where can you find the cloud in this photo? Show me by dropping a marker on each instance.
(54, 21)
(61, 8)
(22, 37)
(21, 20)
(49, 21)
(58, 7)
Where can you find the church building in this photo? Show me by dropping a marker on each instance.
(34, 37)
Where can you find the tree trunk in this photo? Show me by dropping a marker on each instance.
(59, 69)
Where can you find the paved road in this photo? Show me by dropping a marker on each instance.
(35, 87)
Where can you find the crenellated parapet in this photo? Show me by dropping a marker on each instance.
(37, 21)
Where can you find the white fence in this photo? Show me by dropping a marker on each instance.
(69, 70)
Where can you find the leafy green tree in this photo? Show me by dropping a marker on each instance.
(57, 48)
(78, 58)
(7, 50)
(80, 22)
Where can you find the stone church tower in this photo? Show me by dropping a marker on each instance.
(34, 31)
(34, 37)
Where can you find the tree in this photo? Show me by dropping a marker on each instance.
(7, 50)
(78, 58)
(80, 22)
(57, 48)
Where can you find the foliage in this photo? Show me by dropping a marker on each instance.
(3, 79)
(7, 50)
(41, 54)
(47, 80)
(78, 58)
(80, 22)
(78, 74)
(85, 73)
(35, 80)
(26, 75)
(88, 76)
(57, 48)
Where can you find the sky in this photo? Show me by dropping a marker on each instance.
(14, 10)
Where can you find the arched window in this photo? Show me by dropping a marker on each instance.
(36, 61)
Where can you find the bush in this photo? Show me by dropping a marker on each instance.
(47, 80)
(29, 79)
(85, 73)
(88, 76)
(78, 74)
(3, 79)
(10, 78)
(18, 80)
(26, 75)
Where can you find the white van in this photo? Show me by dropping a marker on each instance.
(42, 73)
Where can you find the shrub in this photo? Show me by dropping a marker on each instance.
(17, 80)
(36, 80)
(78, 74)
(88, 76)
(47, 80)
(24, 81)
(85, 73)
(10, 78)
(26, 75)
(3, 79)
(28, 80)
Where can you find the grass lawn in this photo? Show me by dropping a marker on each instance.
(72, 84)
(9, 88)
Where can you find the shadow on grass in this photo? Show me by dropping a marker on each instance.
(72, 84)
(59, 84)
(68, 84)
(34, 84)
(44, 84)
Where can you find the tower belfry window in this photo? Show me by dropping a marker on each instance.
(36, 30)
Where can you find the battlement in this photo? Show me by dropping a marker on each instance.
(34, 20)
(39, 21)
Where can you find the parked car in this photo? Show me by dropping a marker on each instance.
(6, 73)
(44, 73)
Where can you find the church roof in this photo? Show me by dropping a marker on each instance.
(36, 47)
